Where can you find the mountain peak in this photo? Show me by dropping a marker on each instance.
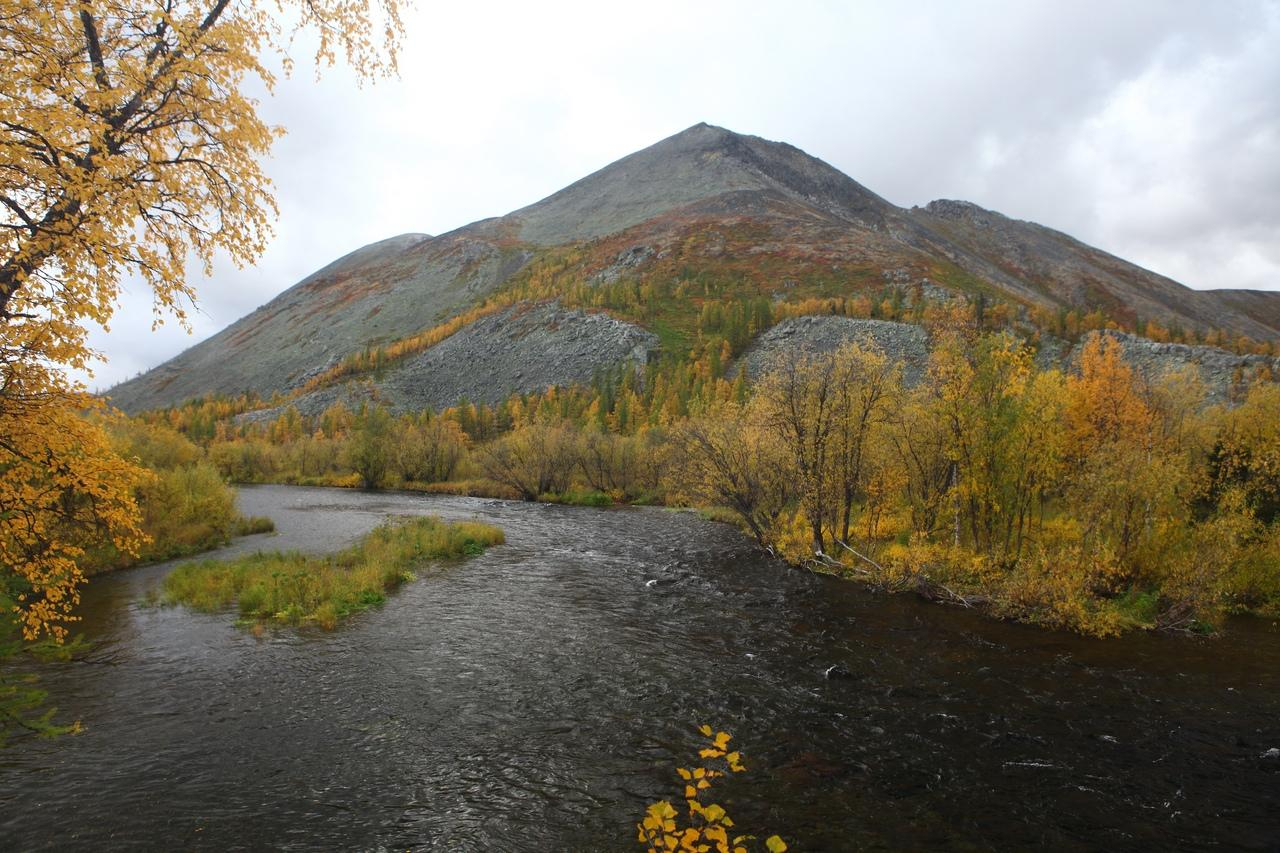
(699, 163)
(706, 135)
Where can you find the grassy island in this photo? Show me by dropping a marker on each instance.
(300, 589)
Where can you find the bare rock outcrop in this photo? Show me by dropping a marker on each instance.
(1225, 374)
(525, 348)
(901, 342)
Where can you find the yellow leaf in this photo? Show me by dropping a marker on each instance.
(775, 844)
(705, 729)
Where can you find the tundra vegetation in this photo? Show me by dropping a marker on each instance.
(1095, 500)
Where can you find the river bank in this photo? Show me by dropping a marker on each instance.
(539, 695)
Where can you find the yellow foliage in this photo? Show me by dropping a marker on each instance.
(825, 409)
(129, 143)
(709, 824)
(1105, 402)
(732, 460)
(64, 492)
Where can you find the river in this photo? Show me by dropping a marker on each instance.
(539, 696)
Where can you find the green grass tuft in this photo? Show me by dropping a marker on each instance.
(252, 524)
(576, 497)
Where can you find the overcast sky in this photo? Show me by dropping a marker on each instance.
(1149, 129)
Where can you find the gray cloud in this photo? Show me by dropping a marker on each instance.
(1148, 128)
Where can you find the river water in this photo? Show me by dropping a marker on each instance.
(539, 696)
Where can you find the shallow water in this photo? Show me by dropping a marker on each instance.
(539, 696)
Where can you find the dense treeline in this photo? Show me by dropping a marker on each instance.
(1095, 500)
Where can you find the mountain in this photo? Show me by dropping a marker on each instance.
(707, 205)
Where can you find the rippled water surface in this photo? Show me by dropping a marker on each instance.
(537, 697)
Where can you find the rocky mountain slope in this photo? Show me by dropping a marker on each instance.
(522, 349)
(900, 342)
(1225, 375)
(1063, 271)
(706, 202)
(376, 294)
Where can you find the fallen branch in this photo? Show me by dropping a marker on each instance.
(828, 562)
(862, 557)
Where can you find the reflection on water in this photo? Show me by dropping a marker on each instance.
(538, 696)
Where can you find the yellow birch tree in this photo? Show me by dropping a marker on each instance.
(128, 144)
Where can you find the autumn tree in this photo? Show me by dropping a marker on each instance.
(534, 460)
(1001, 422)
(823, 407)
(426, 449)
(732, 459)
(798, 398)
(369, 449)
(64, 494)
(920, 439)
(866, 384)
(609, 462)
(1121, 474)
(1247, 452)
(129, 142)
